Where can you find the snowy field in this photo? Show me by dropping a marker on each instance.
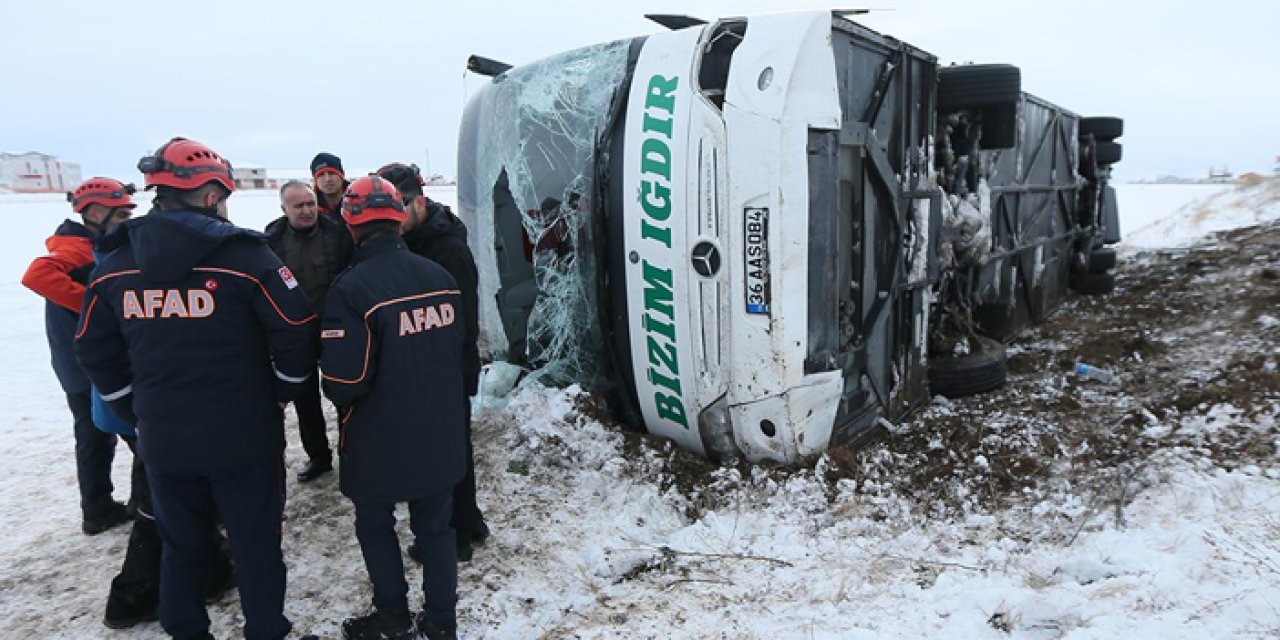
(594, 538)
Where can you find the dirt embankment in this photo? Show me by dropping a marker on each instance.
(1193, 336)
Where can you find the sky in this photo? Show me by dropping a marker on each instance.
(270, 83)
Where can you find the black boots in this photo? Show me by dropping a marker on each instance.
(397, 626)
(314, 469)
(380, 626)
(126, 608)
(117, 515)
(433, 630)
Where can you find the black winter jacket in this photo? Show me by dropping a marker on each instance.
(391, 338)
(334, 236)
(442, 237)
(200, 323)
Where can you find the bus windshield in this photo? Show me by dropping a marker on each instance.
(529, 170)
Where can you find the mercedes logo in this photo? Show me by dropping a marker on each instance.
(706, 259)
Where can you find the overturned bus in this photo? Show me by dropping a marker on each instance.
(763, 237)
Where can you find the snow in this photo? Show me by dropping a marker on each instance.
(1164, 216)
(596, 537)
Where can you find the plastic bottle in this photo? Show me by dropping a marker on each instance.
(1093, 373)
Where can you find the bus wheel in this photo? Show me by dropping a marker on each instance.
(1102, 260)
(1104, 129)
(1109, 152)
(981, 370)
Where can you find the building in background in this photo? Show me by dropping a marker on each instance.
(250, 177)
(35, 172)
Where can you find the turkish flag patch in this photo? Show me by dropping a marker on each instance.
(287, 275)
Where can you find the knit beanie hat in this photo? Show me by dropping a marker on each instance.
(326, 162)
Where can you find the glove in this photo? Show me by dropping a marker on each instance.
(123, 408)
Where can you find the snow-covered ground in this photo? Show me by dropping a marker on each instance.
(598, 534)
(1155, 216)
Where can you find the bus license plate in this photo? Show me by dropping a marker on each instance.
(756, 259)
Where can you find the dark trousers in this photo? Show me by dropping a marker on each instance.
(466, 514)
(311, 426)
(139, 577)
(250, 500)
(95, 451)
(429, 520)
(137, 585)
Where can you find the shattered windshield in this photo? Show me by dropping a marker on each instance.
(527, 166)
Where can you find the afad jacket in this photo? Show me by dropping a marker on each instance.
(392, 340)
(60, 277)
(198, 325)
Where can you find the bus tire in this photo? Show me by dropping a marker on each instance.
(1101, 260)
(1108, 152)
(979, 371)
(978, 85)
(1103, 129)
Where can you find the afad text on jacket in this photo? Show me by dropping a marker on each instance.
(203, 326)
(392, 338)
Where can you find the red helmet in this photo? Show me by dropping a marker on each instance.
(187, 165)
(108, 192)
(371, 198)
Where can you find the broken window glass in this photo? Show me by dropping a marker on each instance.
(528, 167)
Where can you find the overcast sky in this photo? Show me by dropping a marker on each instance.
(271, 83)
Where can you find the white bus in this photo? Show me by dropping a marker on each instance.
(763, 237)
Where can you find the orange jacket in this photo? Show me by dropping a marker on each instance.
(60, 275)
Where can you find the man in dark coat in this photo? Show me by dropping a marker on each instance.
(197, 335)
(330, 182)
(433, 232)
(60, 277)
(392, 338)
(316, 249)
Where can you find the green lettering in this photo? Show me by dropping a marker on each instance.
(664, 329)
(658, 295)
(664, 355)
(655, 157)
(670, 408)
(656, 200)
(650, 232)
(672, 384)
(662, 93)
(658, 125)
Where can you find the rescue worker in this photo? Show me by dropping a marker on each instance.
(316, 249)
(60, 277)
(197, 335)
(433, 232)
(392, 346)
(330, 183)
(135, 591)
